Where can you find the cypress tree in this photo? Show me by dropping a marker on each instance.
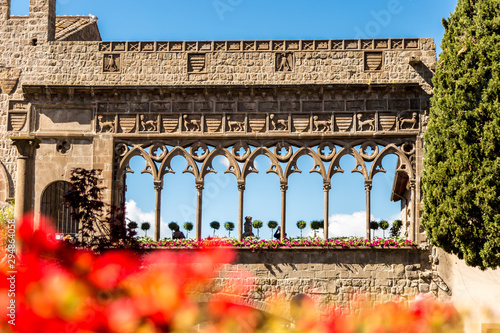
(461, 182)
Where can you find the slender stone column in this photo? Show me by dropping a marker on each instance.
(158, 187)
(326, 187)
(241, 190)
(413, 221)
(284, 188)
(368, 188)
(199, 203)
(26, 147)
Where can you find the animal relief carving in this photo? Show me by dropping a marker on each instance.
(368, 122)
(112, 63)
(409, 123)
(278, 124)
(105, 125)
(148, 125)
(284, 62)
(191, 125)
(322, 125)
(235, 125)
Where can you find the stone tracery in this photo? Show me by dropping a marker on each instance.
(241, 156)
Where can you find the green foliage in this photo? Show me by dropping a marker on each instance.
(215, 225)
(6, 214)
(374, 225)
(173, 226)
(100, 224)
(315, 226)
(384, 225)
(396, 228)
(257, 224)
(145, 226)
(188, 226)
(229, 227)
(301, 225)
(272, 225)
(461, 181)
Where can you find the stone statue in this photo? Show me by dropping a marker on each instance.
(248, 231)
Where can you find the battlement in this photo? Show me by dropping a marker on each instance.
(267, 45)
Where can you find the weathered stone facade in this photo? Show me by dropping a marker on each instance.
(335, 276)
(95, 105)
(91, 102)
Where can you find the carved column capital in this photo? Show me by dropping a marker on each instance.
(199, 187)
(327, 186)
(368, 185)
(241, 186)
(413, 183)
(284, 187)
(26, 145)
(158, 184)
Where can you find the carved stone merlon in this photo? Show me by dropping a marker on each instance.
(26, 147)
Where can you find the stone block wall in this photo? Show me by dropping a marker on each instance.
(332, 277)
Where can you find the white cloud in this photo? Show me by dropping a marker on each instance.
(346, 225)
(135, 213)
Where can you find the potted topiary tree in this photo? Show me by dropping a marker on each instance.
(257, 224)
(145, 226)
(315, 226)
(229, 227)
(272, 225)
(374, 226)
(188, 226)
(384, 225)
(301, 225)
(215, 225)
(173, 226)
(396, 227)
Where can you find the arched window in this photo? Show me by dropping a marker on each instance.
(54, 207)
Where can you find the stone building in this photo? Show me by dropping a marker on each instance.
(70, 100)
(93, 104)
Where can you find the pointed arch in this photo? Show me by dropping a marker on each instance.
(123, 167)
(207, 167)
(178, 151)
(249, 167)
(319, 167)
(404, 166)
(347, 150)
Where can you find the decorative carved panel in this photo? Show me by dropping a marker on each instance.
(257, 123)
(365, 122)
(284, 62)
(127, 123)
(387, 121)
(344, 122)
(197, 63)
(111, 63)
(170, 123)
(300, 123)
(213, 123)
(322, 123)
(373, 61)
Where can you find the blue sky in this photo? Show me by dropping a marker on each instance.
(261, 20)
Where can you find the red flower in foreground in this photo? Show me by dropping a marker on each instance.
(60, 289)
